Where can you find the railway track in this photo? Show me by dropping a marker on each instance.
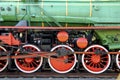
(49, 74)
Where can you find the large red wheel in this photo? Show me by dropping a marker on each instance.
(58, 64)
(118, 60)
(29, 65)
(96, 63)
(3, 63)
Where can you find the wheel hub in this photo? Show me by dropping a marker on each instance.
(96, 58)
(29, 60)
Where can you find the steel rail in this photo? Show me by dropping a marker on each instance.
(50, 75)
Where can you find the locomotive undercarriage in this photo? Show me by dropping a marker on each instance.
(31, 50)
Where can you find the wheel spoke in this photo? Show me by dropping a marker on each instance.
(87, 59)
(98, 65)
(32, 65)
(93, 49)
(95, 65)
(35, 63)
(28, 65)
(91, 64)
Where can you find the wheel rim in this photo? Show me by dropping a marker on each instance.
(118, 60)
(58, 64)
(96, 63)
(29, 65)
(3, 63)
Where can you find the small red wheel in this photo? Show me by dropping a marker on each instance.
(118, 60)
(96, 63)
(58, 64)
(29, 65)
(3, 63)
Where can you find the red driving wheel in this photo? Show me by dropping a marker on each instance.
(96, 63)
(59, 64)
(29, 65)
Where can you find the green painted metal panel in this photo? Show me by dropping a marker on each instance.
(1, 19)
(77, 11)
(109, 38)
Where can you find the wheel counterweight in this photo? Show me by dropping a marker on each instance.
(96, 63)
(29, 65)
(63, 64)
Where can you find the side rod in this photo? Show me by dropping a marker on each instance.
(45, 55)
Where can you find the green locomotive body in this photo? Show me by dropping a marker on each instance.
(96, 12)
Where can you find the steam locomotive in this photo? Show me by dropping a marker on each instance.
(61, 34)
